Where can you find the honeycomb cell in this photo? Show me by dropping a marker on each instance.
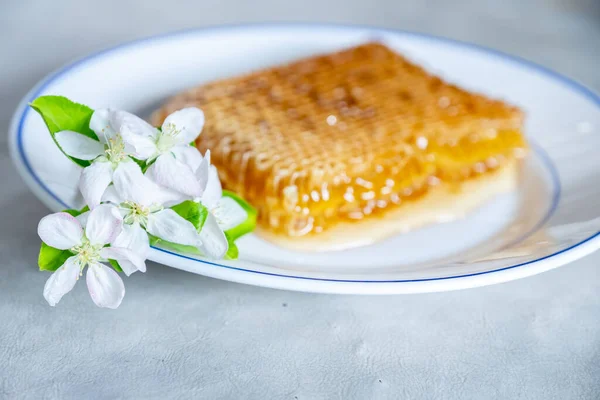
(347, 136)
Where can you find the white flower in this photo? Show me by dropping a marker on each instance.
(224, 212)
(142, 203)
(123, 135)
(107, 155)
(102, 226)
(227, 211)
(167, 146)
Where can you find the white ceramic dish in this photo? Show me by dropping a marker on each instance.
(551, 220)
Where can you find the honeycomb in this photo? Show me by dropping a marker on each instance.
(347, 136)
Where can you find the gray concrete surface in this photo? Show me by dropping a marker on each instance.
(183, 336)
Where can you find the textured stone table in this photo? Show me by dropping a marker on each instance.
(179, 335)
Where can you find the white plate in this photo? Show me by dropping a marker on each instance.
(551, 220)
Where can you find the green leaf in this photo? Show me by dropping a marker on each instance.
(141, 163)
(232, 251)
(115, 265)
(75, 213)
(193, 212)
(61, 114)
(249, 224)
(180, 248)
(196, 214)
(50, 258)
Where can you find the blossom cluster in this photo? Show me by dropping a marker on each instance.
(142, 185)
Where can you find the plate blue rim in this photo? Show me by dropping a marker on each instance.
(531, 65)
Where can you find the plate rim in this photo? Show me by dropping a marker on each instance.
(35, 184)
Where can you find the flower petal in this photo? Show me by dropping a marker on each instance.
(111, 196)
(129, 260)
(94, 180)
(105, 285)
(138, 146)
(214, 190)
(60, 230)
(189, 155)
(62, 281)
(82, 218)
(214, 242)
(187, 123)
(131, 184)
(138, 135)
(78, 145)
(131, 123)
(167, 197)
(173, 174)
(100, 123)
(170, 226)
(229, 213)
(103, 224)
(135, 238)
(202, 172)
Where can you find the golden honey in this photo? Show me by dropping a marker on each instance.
(347, 136)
